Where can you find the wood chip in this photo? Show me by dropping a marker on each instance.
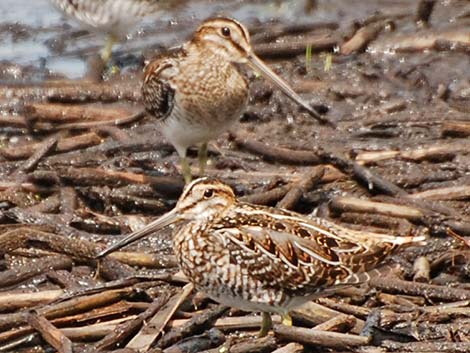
(320, 338)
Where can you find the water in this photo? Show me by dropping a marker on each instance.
(29, 26)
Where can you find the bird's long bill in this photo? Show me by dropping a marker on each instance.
(157, 224)
(258, 65)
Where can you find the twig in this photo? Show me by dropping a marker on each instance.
(99, 176)
(116, 133)
(13, 300)
(429, 331)
(262, 34)
(63, 145)
(456, 128)
(195, 325)
(267, 197)
(68, 307)
(315, 314)
(392, 224)
(13, 121)
(341, 307)
(65, 113)
(123, 198)
(130, 118)
(232, 323)
(440, 152)
(458, 237)
(209, 339)
(431, 291)
(290, 348)
(272, 153)
(95, 331)
(299, 188)
(321, 338)
(257, 345)
(46, 147)
(406, 301)
(460, 192)
(129, 328)
(76, 248)
(68, 200)
(50, 333)
(21, 237)
(75, 92)
(423, 40)
(441, 347)
(422, 269)
(424, 11)
(362, 38)
(351, 204)
(144, 339)
(341, 323)
(141, 259)
(296, 47)
(33, 269)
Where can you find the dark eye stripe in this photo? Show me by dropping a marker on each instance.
(237, 46)
(240, 27)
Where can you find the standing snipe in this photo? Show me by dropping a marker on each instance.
(196, 90)
(113, 17)
(263, 259)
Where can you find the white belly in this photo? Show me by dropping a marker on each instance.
(183, 130)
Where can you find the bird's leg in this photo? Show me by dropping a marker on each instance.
(202, 157)
(266, 324)
(108, 49)
(186, 170)
(287, 319)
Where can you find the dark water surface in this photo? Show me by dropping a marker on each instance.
(35, 33)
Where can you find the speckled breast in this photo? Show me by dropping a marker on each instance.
(213, 92)
(205, 260)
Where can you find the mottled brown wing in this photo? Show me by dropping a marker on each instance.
(157, 91)
(324, 240)
(361, 251)
(275, 260)
(284, 250)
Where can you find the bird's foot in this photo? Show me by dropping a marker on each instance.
(266, 325)
(287, 320)
(202, 157)
(186, 170)
(107, 51)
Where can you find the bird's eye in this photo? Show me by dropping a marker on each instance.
(225, 31)
(208, 194)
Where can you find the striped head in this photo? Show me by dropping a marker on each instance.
(202, 200)
(226, 37)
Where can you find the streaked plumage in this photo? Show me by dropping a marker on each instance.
(259, 258)
(197, 92)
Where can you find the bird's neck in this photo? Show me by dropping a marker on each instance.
(204, 49)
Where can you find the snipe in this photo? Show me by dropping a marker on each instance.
(196, 90)
(113, 17)
(264, 259)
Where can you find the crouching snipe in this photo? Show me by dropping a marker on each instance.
(263, 259)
